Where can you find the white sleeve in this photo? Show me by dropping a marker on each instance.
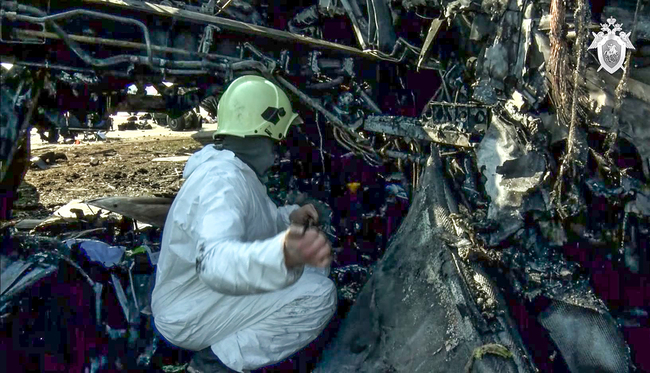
(224, 261)
(283, 216)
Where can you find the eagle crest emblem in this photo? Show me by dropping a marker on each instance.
(611, 46)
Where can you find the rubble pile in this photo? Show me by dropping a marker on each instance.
(92, 286)
(523, 164)
(544, 199)
(84, 248)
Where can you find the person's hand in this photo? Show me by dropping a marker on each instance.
(302, 215)
(306, 247)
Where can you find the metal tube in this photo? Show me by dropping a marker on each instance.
(132, 58)
(250, 65)
(72, 13)
(311, 102)
(355, 23)
(69, 68)
(404, 156)
(371, 104)
(229, 24)
(71, 44)
(113, 73)
(183, 72)
(76, 266)
(327, 85)
(124, 44)
(159, 62)
(221, 9)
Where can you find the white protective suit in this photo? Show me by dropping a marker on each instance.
(238, 298)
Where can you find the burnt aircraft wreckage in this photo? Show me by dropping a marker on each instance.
(526, 167)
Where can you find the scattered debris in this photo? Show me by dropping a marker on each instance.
(182, 158)
(535, 190)
(48, 159)
(98, 251)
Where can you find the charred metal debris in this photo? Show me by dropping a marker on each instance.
(548, 158)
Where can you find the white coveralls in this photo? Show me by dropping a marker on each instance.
(239, 298)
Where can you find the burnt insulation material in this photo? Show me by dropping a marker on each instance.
(416, 312)
(589, 341)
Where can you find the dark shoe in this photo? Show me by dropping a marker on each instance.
(205, 361)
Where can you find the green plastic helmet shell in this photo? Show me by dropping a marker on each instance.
(254, 106)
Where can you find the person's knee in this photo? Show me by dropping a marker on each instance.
(328, 298)
(327, 291)
(320, 297)
(331, 292)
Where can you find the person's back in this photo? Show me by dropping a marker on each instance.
(216, 182)
(231, 275)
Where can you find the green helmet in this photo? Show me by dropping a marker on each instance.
(254, 106)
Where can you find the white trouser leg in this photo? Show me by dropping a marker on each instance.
(284, 332)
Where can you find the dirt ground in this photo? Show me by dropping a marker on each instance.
(116, 167)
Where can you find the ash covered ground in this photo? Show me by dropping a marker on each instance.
(115, 167)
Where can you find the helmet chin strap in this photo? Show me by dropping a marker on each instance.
(258, 152)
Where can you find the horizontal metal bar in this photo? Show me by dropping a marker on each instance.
(18, 40)
(237, 26)
(125, 44)
(404, 156)
(411, 127)
(119, 74)
(68, 68)
(72, 13)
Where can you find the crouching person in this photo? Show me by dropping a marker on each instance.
(240, 280)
